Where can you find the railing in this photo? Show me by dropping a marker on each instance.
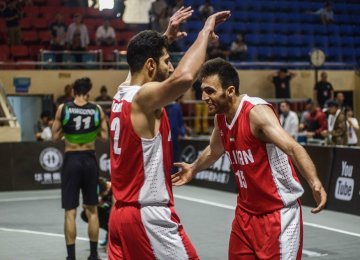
(7, 114)
(94, 59)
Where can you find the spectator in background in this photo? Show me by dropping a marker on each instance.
(104, 207)
(43, 131)
(58, 33)
(67, 97)
(238, 48)
(77, 35)
(12, 14)
(177, 127)
(313, 121)
(201, 111)
(336, 132)
(323, 90)
(281, 81)
(157, 10)
(205, 10)
(352, 127)
(289, 119)
(326, 13)
(105, 34)
(216, 50)
(104, 97)
(119, 8)
(340, 99)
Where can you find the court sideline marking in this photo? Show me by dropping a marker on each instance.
(224, 206)
(201, 201)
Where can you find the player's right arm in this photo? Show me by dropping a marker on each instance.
(103, 134)
(207, 158)
(155, 95)
(56, 130)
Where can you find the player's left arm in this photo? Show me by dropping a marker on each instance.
(56, 130)
(266, 127)
(103, 134)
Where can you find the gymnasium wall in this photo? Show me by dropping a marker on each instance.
(252, 82)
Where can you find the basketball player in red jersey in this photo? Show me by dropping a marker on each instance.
(268, 222)
(143, 223)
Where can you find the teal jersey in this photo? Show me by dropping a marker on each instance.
(80, 123)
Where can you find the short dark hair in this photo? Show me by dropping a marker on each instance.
(45, 113)
(144, 45)
(227, 74)
(286, 102)
(82, 86)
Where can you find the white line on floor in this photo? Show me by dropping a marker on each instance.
(30, 198)
(39, 233)
(201, 201)
(224, 206)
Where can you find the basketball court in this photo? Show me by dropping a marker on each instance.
(31, 227)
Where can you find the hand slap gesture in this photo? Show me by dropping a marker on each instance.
(173, 30)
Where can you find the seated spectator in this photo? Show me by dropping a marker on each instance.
(43, 132)
(238, 48)
(58, 33)
(105, 34)
(323, 90)
(77, 36)
(205, 10)
(326, 13)
(289, 119)
(336, 132)
(281, 81)
(12, 14)
(313, 121)
(352, 126)
(104, 97)
(216, 50)
(67, 97)
(157, 10)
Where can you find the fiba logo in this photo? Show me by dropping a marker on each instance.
(51, 159)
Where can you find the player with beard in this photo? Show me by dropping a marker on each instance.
(143, 222)
(268, 222)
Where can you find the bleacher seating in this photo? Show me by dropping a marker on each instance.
(285, 30)
(35, 33)
(274, 30)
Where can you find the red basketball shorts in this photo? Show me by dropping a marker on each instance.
(276, 235)
(151, 232)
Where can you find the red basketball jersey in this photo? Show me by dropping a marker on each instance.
(140, 168)
(265, 176)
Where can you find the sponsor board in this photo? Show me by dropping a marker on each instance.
(218, 176)
(344, 192)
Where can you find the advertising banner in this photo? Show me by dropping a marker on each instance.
(322, 157)
(37, 165)
(344, 191)
(218, 176)
(5, 166)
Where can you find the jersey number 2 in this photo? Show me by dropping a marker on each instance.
(115, 126)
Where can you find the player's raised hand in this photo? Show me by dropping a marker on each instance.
(183, 176)
(173, 32)
(213, 20)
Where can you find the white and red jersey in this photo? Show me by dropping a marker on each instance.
(265, 175)
(140, 168)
